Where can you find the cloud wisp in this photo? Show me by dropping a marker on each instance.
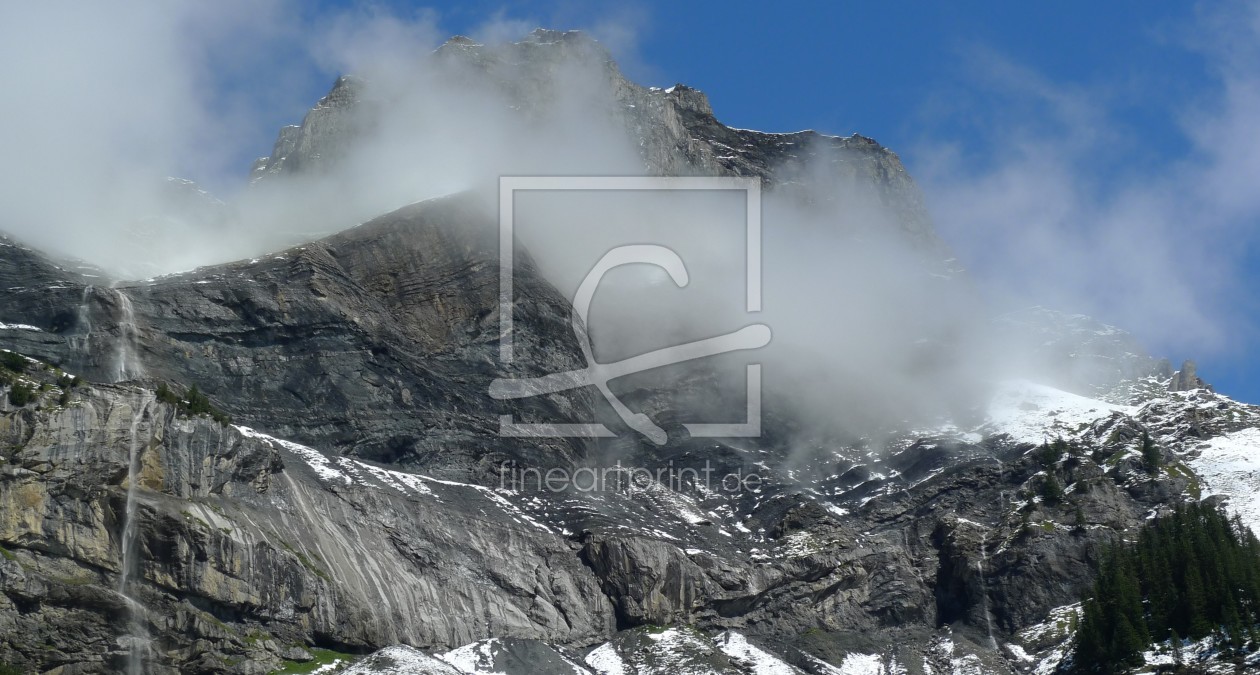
(102, 105)
(1058, 204)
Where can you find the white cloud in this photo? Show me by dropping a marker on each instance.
(101, 104)
(1055, 205)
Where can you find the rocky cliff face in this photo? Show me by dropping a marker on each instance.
(250, 549)
(321, 138)
(377, 342)
(358, 502)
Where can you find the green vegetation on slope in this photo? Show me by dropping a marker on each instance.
(192, 403)
(321, 658)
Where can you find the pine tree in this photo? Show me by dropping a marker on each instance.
(1051, 490)
(1049, 454)
(1128, 643)
(165, 395)
(1152, 459)
(1092, 646)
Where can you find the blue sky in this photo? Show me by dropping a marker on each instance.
(1101, 158)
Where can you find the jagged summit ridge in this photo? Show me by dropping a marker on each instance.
(674, 129)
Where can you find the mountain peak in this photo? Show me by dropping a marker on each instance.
(550, 75)
(550, 36)
(690, 99)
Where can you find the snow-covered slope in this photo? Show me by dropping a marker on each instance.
(401, 660)
(1036, 413)
(1229, 466)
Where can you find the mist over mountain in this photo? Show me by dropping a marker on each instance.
(257, 431)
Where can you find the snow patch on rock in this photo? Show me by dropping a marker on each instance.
(758, 661)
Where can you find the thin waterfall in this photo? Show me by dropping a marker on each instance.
(905, 541)
(83, 342)
(126, 361)
(137, 638)
(984, 588)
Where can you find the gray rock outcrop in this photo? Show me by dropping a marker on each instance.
(1187, 379)
(250, 546)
